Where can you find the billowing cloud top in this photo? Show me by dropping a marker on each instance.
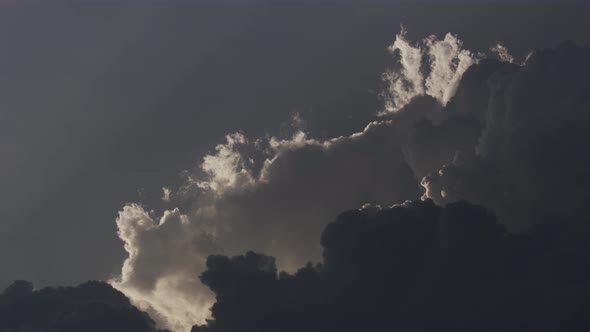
(437, 76)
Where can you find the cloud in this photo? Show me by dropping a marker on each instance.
(166, 193)
(503, 53)
(456, 126)
(448, 62)
(164, 257)
(91, 306)
(530, 162)
(433, 67)
(415, 266)
(225, 168)
(281, 209)
(275, 194)
(407, 81)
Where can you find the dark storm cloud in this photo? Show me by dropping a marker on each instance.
(91, 306)
(530, 162)
(413, 267)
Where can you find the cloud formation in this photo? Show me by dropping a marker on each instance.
(503, 53)
(456, 126)
(529, 163)
(413, 267)
(280, 208)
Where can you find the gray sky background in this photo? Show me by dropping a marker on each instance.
(100, 99)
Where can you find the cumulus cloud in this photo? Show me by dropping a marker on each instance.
(281, 209)
(164, 257)
(91, 306)
(225, 169)
(456, 126)
(413, 267)
(275, 194)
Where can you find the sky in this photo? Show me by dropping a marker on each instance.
(140, 137)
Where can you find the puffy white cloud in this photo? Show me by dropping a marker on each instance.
(432, 67)
(164, 260)
(448, 62)
(407, 81)
(225, 169)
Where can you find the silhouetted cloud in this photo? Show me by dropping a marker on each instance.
(413, 267)
(530, 162)
(91, 306)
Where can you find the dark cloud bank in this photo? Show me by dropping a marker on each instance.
(499, 242)
(92, 306)
(413, 267)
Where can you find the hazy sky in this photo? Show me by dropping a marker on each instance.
(104, 102)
